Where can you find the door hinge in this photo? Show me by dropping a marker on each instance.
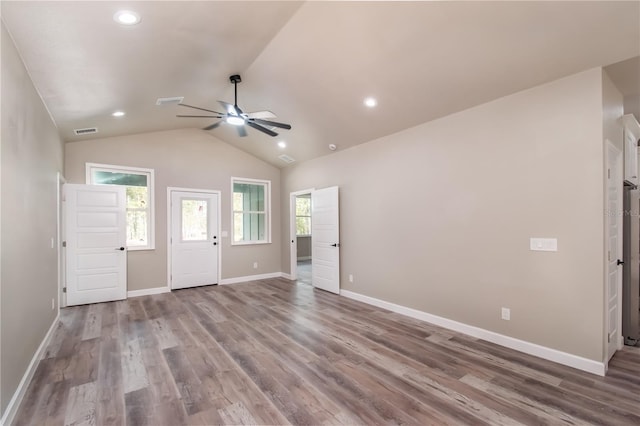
(608, 337)
(64, 244)
(64, 289)
(608, 173)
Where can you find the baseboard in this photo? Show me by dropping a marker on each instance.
(251, 278)
(543, 352)
(287, 276)
(148, 291)
(15, 401)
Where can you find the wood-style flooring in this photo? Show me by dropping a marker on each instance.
(277, 352)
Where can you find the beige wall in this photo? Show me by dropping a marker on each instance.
(438, 217)
(303, 247)
(188, 158)
(31, 157)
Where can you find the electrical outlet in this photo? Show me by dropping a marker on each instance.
(350, 278)
(255, 265)
(506, 314)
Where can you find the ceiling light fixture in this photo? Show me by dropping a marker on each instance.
(235, 120)
(118, 114)
(282, 144)
(370, 102)
(126, 17)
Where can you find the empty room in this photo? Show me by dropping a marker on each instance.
(319, 212)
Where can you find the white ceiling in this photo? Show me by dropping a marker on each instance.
(311, 63)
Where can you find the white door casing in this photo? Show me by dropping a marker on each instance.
(613, 242)
(325, 245)
(194, 242)
(96, 256)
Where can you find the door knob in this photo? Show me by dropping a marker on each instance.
(215, 244)
(335, 245)
(620, 262)
(120, 248)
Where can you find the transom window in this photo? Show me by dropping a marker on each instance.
(251, 211)
(138, 185)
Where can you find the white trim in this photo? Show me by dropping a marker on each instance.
(169, 230)
(62, 297)
(16, 399)
(148, 291)
(293, 251)
(251, 278)
(151, 185)
(267, 184)
(544, 352)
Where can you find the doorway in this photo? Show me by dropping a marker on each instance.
(301, 238)
(194, 237)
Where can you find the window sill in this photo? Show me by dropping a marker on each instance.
(250, 243)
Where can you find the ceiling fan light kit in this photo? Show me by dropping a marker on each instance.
(236, 117)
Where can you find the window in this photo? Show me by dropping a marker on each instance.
(303, 215)
(251, 211)
(139, 190)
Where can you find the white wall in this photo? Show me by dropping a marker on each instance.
(438, 217)
(188, 158)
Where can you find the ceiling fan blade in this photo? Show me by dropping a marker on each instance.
(201, 109)
(260, 128)
(213, 126)
(200, 116)
(229, 108)
(261, 114)
(242, 132)
(272, 123)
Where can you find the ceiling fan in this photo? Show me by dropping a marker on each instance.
(236, 117)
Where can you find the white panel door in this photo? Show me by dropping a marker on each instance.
(325, 246)
(614, 249)
(95, 219)
(194, 239)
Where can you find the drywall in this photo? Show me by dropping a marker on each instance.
(612, 109)
(32, 155)
(188, 158)
(303, 247)
(438, 217)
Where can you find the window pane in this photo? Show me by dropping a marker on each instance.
(137, 228)
(303, 225)
(136, 197)
(194, 220)
(248, 197)
(303, 206)
(249, 227)
(114, 178)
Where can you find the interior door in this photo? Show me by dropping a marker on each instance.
(325, 246)
(95, 219)
(194, 239)
(614, 249)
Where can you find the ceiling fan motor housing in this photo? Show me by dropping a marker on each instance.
(235, 78)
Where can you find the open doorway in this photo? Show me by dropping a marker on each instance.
(301, 237)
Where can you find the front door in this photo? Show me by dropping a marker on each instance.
(325, 244)
(95, 222)
(614, 249)
(194, 239)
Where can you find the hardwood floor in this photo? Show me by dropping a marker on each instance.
(276, 352)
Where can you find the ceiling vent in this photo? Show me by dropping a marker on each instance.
(286, 158)
(87, 131)
(168, 101)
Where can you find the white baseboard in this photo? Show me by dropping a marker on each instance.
(15, 401)
(148, 291)
(544, 352)
(287, 276)
(250, 278)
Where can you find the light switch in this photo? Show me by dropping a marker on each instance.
(543, 244)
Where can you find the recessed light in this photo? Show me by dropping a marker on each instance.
(282, 144)
(126, 17)
(370, 102)
(118, 114)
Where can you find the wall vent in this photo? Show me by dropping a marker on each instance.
(286, 158)
(87, 131)
(172, 100)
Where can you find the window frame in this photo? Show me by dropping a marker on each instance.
(151, 229)
(267, 210)
(297, 216)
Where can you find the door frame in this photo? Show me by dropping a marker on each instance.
(610, 148)
(60, 240)
(171, 189)
(293, 249)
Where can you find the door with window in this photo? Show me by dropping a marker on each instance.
(95, 226)
(195, 238)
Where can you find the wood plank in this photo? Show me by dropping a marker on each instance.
(81, 405)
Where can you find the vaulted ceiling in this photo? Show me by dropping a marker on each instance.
(311, 63)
